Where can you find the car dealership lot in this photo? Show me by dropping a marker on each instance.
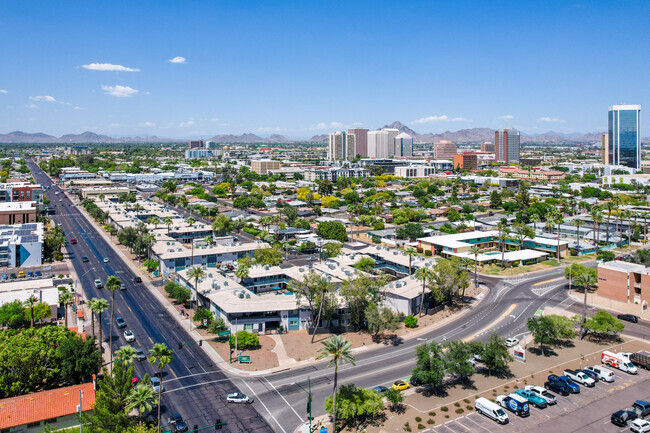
(588, 411)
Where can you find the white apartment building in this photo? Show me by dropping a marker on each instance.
(341, 146)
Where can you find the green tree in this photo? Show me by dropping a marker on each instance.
(202, 314)
(31, 303)
(381, 319)
(12, 314)
(332, 249)
(503, 235)
(268, 256)
(168, 222)
(495, 199)
(495, 354)
(450, 278)
(242, 270)
(410, 252)
(196, 274)
(125, 354)
(586, 280)
(332, 230)
(160, 356)
(548, 330)
(603, 324)
(411, 231)
(354, 405)
(457, 358)
(365, 264)
(112, 284)
(430, 364)
(395, 398)
(109, 413)
(245, 340)
(338, 351)
(359, 292)
(142, 398)
(319, 294)
(423, 274)
(79, 360)
(66, 298)
(520, 232)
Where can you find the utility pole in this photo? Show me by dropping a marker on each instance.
(81, 394)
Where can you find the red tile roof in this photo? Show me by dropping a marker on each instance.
(39, 406)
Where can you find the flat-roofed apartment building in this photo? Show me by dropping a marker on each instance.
(624, 282)
(262, 166)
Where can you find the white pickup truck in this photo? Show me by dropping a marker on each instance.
(580, 377)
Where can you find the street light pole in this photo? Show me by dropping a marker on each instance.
(81, 394)
(308, 398)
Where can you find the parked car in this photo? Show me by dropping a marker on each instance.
(238, 397)
(622, 417)
(575, 389)
(38, 274)
(122, 286)
(591, 374)
(120, 322)
(641, 359)
(629, 318)
(543, 393)
(400, 385)
(30, 274)
(511, 342)
(534, 399)
(617, 361)
(21, 274)
(98, 284)
(156, 385)
(4, 277)
(580, 377)
(514, 403)
(129, 336)
(604, 374)
(179, 423)
(491, 410)
(140, 355)
(12, 276)
(380, 389)
(640, 426)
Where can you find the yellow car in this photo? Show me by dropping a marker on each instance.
(21, 274)
(400, 385)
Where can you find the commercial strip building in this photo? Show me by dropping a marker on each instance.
(624, 282)
(45, 289)
(21, 245)
(57, 408)
(458, 245)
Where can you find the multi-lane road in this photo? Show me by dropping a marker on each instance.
(195, 387)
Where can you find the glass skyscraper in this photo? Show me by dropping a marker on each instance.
(624, 135)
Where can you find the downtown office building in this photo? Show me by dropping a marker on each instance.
(622, 145)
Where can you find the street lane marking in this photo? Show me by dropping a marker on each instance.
(267, 409)
(548, 281)
(285, 400)
(493, 324)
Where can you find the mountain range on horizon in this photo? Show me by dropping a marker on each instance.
(471, 135)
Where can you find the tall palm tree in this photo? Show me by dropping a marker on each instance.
(534, 218)
(610, 207)
(241, 271)
(597, 218)
(617, 205)
(154, 220)
(338, 351)
(474, 249)
(113, 284)
(142, 398)
(196, 273)
(65, 299)
(559, 220)
(126, 354)
(645, 216)
(423, 274)
(586, 280)
(97, 306)
(503, 235)
(160, 356)
(410, 252)
(31, 303)
(168, 222)
(577, 223)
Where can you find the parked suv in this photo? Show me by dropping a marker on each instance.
(558, 387)
(622, 417)
(566, 381)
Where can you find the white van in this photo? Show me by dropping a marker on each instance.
(603, 373)
(491, 410)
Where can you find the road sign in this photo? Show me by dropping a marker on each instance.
(519, 353)
(223, 333)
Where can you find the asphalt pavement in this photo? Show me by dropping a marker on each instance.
(195, 387)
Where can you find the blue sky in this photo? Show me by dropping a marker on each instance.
(301, 68)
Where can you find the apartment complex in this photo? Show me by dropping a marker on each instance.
(20, 191)
(341, 146)
(506, 142)
(262, 166)
(624, 282)
(444, 149)
(21, 245)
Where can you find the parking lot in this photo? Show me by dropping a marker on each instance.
(588, 411)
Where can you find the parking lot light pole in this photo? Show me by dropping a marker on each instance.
(308, 398)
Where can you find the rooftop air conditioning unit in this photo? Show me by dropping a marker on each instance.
(301, 269)
(225, 283)
(248, 295)
(241, 295)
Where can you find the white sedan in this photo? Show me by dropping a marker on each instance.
(238, 397)
(511, 342)
(128, 335)
(640, 426)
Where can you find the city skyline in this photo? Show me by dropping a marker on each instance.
(130, 76)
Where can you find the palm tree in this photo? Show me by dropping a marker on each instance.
(503, 235)
(65, 298)
(610, 207)
(410, 252)
(559, 220)
(195, 273)
(338, 351)
(160, 356)
(190, 221)
(113, 284)
(645, 216)
(577, 223)
(586, 280)
(31, 303)
(208, 240)
(617, 204)
(597, 217)
(142, 398)
(423, 274)
(474, 249)
(534, 218)
(241, 271)
(125, 354)
(168, 222)
(97, 306)
(154, 220)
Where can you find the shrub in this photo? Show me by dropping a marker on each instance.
(446, 416)
(427, 253)
(432, 413)
(466, 400)
(444, 409)
(245, 340)
(469, 407)
(411, 321)
(457, 404)
(460, 410)
(421, 426)
(418, 419)
(419, 250)
(430, 421)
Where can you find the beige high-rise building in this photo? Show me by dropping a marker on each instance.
(605, 148)
(341, 146)
(444, 149)
(262, 166)
(487, 146)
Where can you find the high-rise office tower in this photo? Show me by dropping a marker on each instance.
(196, 144)
(487, 146)
(361, 140)
(341, 145)
(403, 145)
(624, 136)
(444, 149)
(506, 145)
(378, 146)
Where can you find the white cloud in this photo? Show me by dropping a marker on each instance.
(270, 129)
(147, 124)
(551, 119)
(31, 106)
(43, 98)
(3, 91)
(443, 118)
(77, 108)
(214, 119)
(178, 59)
(109, 67)
(507, 117)
(331, 125)
(119, 91)
(187, 124)
(114, 125)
